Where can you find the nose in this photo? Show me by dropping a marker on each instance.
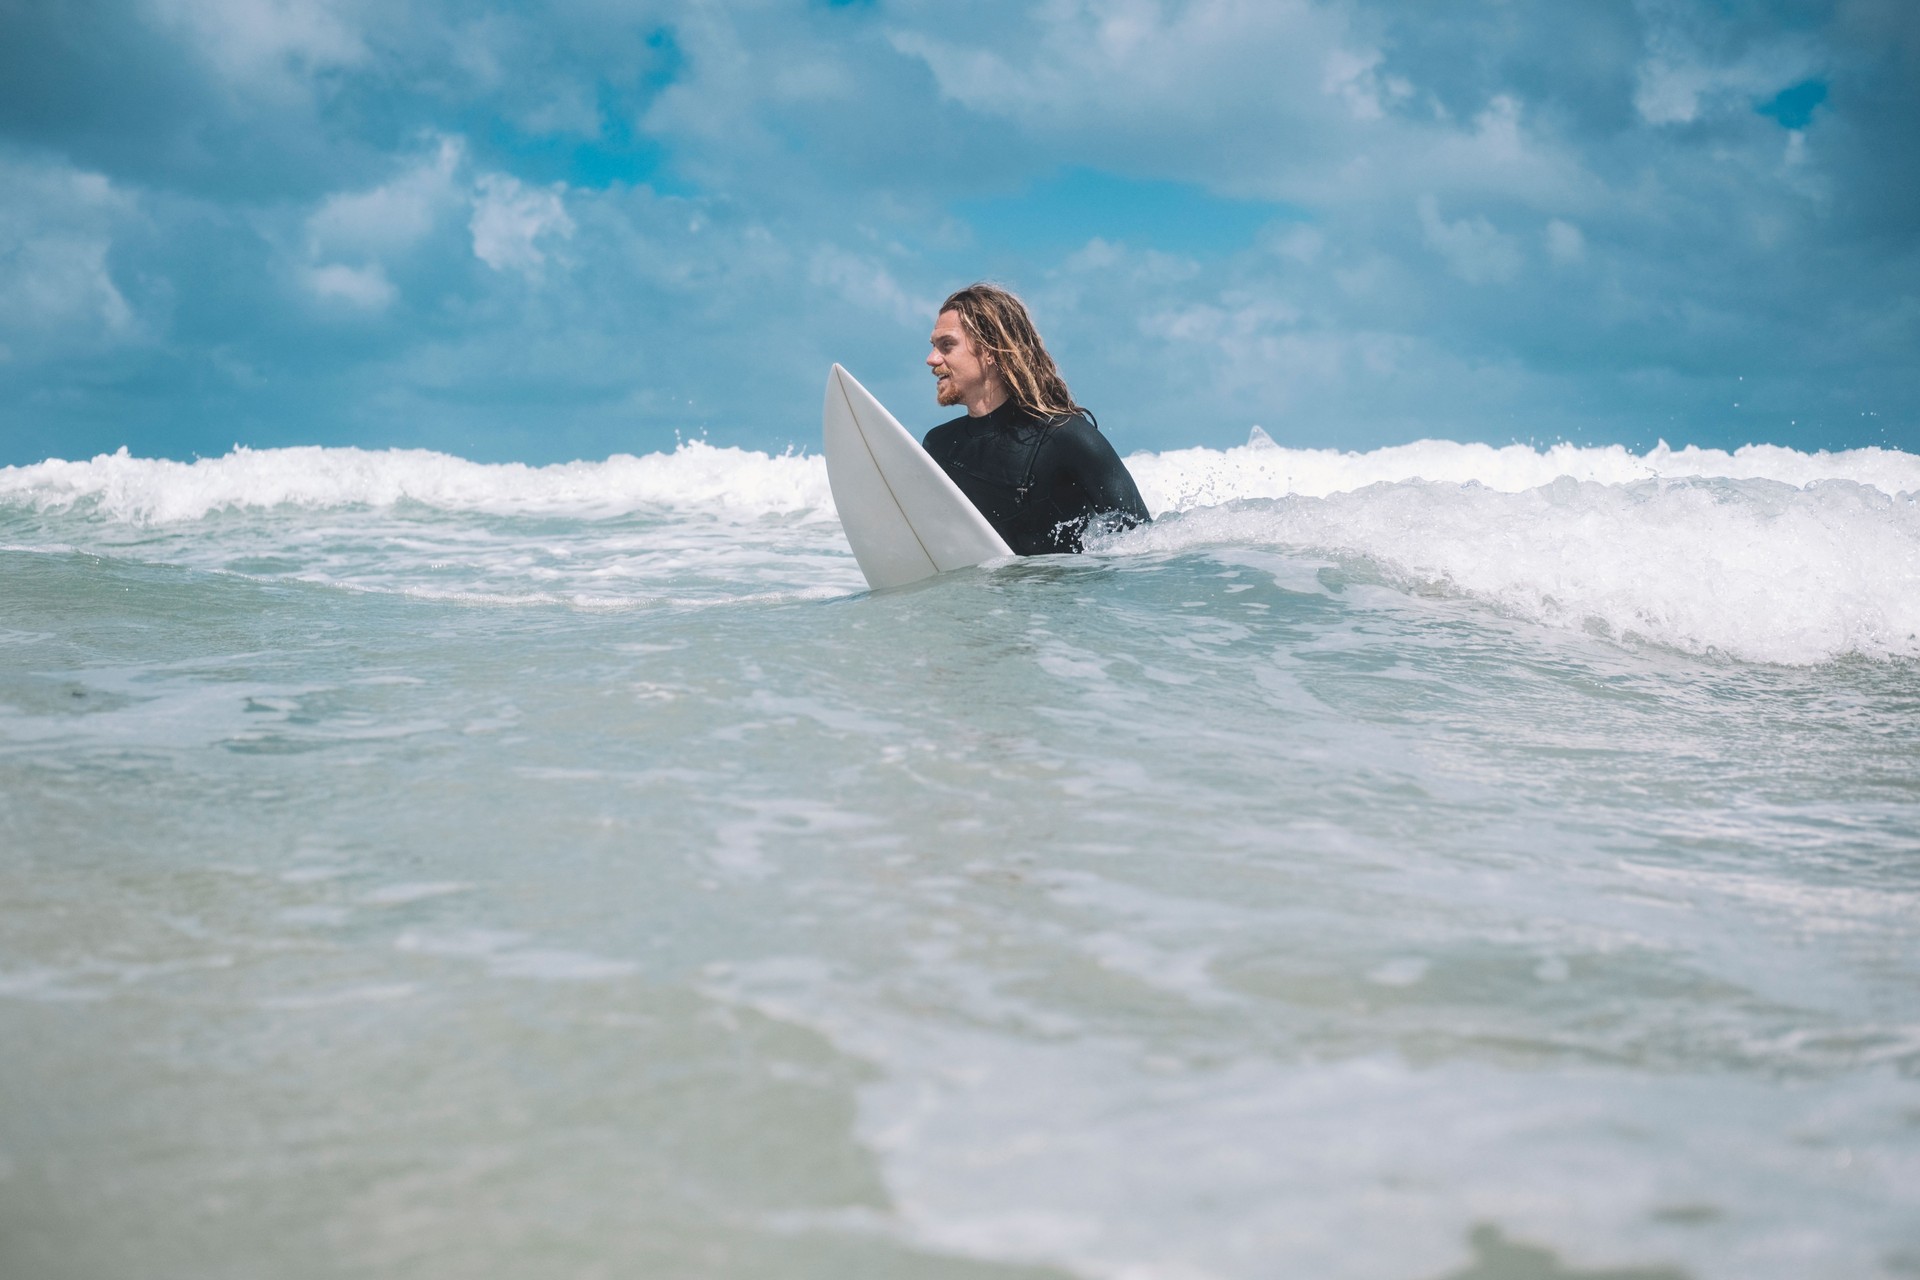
(933, 359)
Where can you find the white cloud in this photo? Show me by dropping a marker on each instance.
(1356, 79)
(1565, 244)
(1677, 84)
(1668, 92)
(1498, 155)
(353, 236)
(57, 229)
(510, 218)
(393, 216)
(1475, 250)
(366, 287)
(740, 77)
(1301, 244)
(1074, 62)
(868, 284)
(62, 279)
(1112, 260)
(1266, 353)
(1257, 321)
(269, 46)
(1280, 100)
(1207, 88)
(567, 108)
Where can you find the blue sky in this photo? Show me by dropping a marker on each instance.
(594, 226)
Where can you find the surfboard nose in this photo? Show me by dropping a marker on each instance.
(839, 384)
(843, 385)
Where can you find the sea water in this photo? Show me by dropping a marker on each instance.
(1441, 862)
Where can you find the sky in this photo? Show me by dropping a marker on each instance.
(586, 227)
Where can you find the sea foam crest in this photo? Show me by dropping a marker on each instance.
(698, 476)
(727, 481)
(1753, 569)
(1763, 553)
(1183, 478)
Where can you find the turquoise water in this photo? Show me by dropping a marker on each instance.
(409, 867)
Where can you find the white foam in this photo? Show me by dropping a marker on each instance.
(505, 957)
(700, 477)
(1753, 569)
(398, 895)
(695, 476)
(1186, 478)
(1763, 553)
(1107, 1157)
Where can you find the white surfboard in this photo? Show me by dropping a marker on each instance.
(905, 518)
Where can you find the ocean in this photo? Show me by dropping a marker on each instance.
(1440, 863)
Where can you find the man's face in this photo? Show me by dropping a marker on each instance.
(961, 376)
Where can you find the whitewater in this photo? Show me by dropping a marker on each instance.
(1444, 862)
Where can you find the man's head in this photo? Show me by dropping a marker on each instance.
(986, 351)
(962, 373)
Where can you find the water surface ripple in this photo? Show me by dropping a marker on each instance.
(549, 874)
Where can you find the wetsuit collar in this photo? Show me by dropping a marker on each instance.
(1008, 414)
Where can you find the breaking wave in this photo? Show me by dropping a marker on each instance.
(1762, 554)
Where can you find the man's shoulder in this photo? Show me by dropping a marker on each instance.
(943, 431)
(1076, 432)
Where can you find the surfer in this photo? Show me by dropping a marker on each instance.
(1025, 454)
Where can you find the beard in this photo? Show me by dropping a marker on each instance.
(945, 392)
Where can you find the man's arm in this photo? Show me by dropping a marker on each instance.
(1090, 462)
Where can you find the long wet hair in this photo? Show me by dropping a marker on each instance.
(997, 324)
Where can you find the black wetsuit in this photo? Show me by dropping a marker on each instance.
(1039, 481)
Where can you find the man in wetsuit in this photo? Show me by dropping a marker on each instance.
(1025, 454)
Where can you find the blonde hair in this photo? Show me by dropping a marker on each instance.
(997, 324)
